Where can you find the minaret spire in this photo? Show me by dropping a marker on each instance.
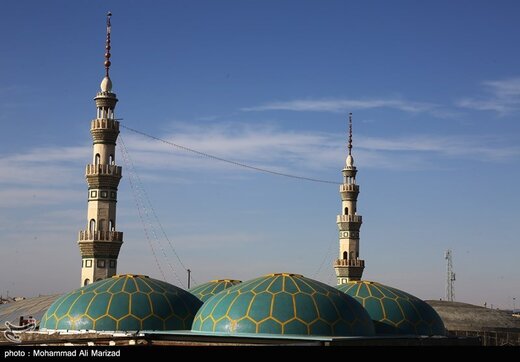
(350, 134)
(99, 243)
(107, 46)
(349, 266)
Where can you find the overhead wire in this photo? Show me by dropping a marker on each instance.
(140, 211)
(224, 160)
(327, 255)
(231, 162)
(154, 214)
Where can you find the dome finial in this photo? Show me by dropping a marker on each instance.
(107, 47)
(350, 133)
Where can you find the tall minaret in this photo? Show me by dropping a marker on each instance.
(349, 267)
(100, 242)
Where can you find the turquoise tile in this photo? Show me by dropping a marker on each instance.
(296, 327)
(119, 305)
(129, 323)
(240, 306)
(261, 306)
(305, 307)
(97, 308)
(283, 307)
(140, 306)
(270, 326)
(105, 324)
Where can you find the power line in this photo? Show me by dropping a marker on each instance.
(142, 197)
(140, 212)
(231, 162)
(325, 257)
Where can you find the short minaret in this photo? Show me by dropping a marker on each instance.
(100, 242)
(349, 267)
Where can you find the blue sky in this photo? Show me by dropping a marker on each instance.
(434, 89)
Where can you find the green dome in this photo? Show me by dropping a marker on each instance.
(123, 303)
(283, 304)
(209, 289)
(394, 311)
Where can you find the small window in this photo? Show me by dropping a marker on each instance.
(100, 263)
(97, 159)
(88, 263)
(113, 194)
(92, 226)
(93, 194)
(104, 194)
(112, 263)
(345, 255)
(346, 211)
(86, 282)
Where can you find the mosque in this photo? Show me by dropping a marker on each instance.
(268, 309)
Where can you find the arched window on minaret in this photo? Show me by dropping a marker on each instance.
(97, 159)
(345, 255)
(111, 160)
(346, 211)
(111, 226)
(92, 226)
(86, 282)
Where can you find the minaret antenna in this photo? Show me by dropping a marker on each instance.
(350, 133)
(107, 46)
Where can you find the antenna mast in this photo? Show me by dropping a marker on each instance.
(450, 277)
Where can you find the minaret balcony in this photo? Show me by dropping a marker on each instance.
(105, 100)
(104, 123)
(349, 222)
(99, 235)
(99, 169)
(103, 176)
(349, 263)
(349, 218)
(349, 191)
(91, 247)
(104, 130)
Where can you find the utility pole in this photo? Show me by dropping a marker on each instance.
(189, 278)
(450, 277)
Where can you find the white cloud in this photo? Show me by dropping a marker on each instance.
(16, 197)
(503, 97)
(485, 148)
(258, 146)
(343, 105)
(49, 176)
(44, 166)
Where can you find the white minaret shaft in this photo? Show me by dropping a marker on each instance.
(349, 267)
(99, 243)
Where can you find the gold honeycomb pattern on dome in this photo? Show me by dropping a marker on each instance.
(209, 289)
(394, 311)
(283, 304)
(123, 303)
